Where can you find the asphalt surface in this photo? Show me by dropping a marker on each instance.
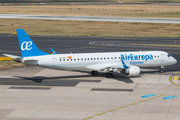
(9, 45)
(89, 18)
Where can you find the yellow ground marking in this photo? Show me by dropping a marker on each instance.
(88, 118)
(142, 101)
(111, 110)
(152, 98)
(133, 103)
(123, 107)
(170, 79)
(176, 78)
(160, 95)
(6, 58)
(100, 113)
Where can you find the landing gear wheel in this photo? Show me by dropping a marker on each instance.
(160, 69)
(94, 72)
(109, 75)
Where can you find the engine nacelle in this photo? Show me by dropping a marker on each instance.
(132, 71)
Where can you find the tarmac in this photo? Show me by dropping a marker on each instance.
(36, 93)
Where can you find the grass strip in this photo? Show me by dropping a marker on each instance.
(85, 28)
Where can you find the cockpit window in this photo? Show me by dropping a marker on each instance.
(169, 55)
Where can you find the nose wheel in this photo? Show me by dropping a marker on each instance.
(160, 69)
(109, 75)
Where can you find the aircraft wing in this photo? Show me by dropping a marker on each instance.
(109, 66)
(106, 67)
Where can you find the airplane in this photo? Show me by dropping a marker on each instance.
(128, 63)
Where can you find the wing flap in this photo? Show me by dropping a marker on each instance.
(105, 66)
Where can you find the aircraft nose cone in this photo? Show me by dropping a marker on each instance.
(175, 61)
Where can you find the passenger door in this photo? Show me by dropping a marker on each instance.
(162, 57)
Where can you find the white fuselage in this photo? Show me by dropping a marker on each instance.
(80, 61)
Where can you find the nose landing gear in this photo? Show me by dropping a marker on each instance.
(160, 69)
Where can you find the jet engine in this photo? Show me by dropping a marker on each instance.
(132, 71)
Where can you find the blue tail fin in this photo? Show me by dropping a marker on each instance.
(27, 46)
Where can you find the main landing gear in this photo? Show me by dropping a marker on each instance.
(109, 75)
(160, 69)
(94, 72)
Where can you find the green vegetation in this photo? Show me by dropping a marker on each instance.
(124, 1)
(9, 64)
(150, 10)
(82, 28)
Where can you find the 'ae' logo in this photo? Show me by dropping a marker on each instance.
(26, 45)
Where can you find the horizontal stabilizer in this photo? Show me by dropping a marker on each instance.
(12, 56)
(15, 58)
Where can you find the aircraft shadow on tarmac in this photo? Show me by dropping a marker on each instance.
(41, 79)
(73, 80)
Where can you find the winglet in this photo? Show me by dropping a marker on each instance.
(53, 51)
(124, 65)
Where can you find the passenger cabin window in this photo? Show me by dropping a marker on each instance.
(91, 58)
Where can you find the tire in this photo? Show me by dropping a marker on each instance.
(94, 72)
(109, 75)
